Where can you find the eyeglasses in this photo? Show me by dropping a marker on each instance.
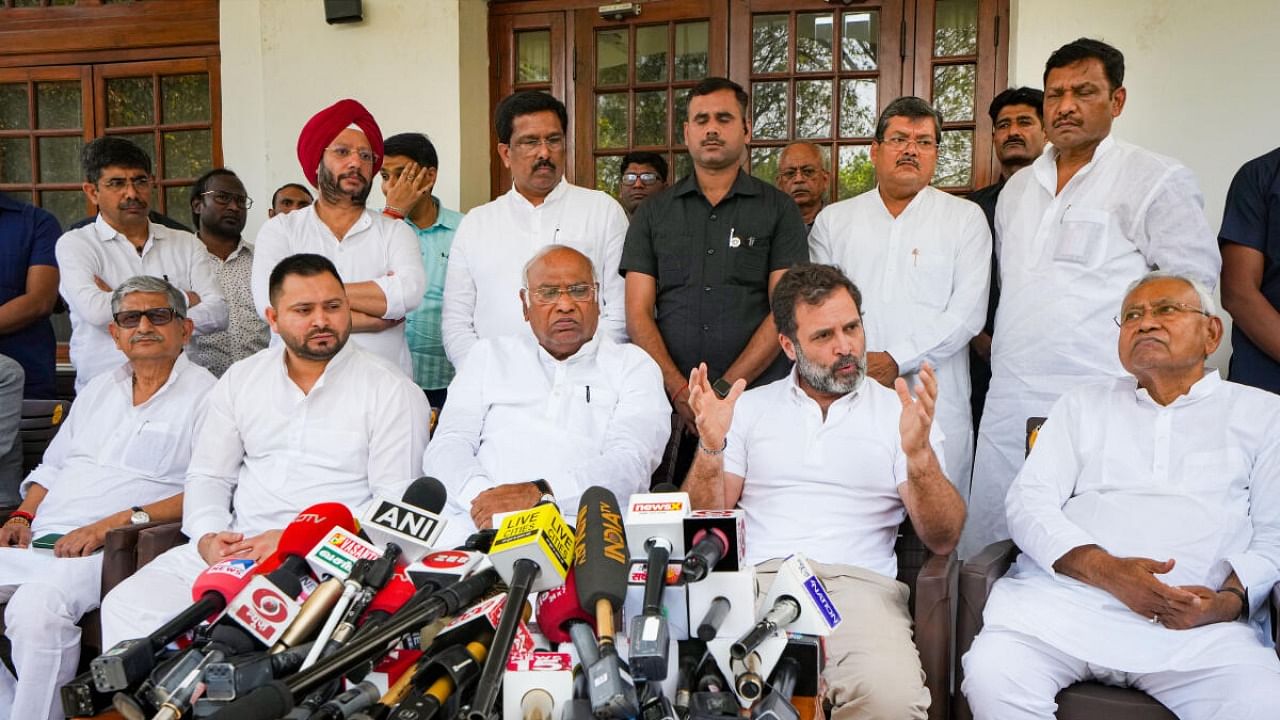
(156, 316)
(342, 153)
(529, 146)
(899, 143)
(644, 178)
(808, 172)
(549, 294)
(1159, 311)
(225, 199)
(140, 182)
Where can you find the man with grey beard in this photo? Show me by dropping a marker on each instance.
(825, 463)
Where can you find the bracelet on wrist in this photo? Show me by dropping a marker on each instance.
(709, 451)
(22, 514)
(394, 212)
(18, 519)
(1244, 601)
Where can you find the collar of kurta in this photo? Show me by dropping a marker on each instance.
(1047, 164)
(742, 185)
(584, 354)
(334, 365)
(556, 193)
(1203, 388)
(105, 232)
(122, 377)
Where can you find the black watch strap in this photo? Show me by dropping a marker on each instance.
(543, 487)
(1244, 601)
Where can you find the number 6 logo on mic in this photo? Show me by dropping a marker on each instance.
(263, 610)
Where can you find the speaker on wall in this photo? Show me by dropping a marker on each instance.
(343, 11)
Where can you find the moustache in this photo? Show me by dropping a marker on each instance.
(1015, 141)
(543, 163)
(321, 331)
(909, 161)
(133, 205)
(354, 174)
(1066, 121)
(139, 337)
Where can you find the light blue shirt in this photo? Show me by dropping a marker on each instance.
(431, 368)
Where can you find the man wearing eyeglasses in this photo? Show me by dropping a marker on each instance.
(549, 413)
(923, 260)
(495, 240)
(122, 243)
(120, 458)
(220, 208)
(643, 174)
(803, 175)
(340, 150)
(1148, 516)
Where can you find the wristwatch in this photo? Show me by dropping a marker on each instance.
(545, 489)
(139, 516)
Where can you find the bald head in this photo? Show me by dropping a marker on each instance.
(560, 299)
(802, 174)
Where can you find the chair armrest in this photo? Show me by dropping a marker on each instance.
(119, 554)
(976, 578)
(935, 589)
(156, 540)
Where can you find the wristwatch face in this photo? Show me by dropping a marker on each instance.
(548, 498)
(139, 517)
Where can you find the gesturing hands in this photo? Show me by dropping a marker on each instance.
(916, 419)
(405, 189)
(711, 413)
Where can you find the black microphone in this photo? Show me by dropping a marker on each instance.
(601, 563)
(650, 637)
(413, 522)
(709, 547)
(777, 706)
(711, 622)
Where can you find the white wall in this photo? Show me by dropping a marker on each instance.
(418, 65)
(1201, 77)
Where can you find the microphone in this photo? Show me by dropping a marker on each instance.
(351, 585)
(313, 612)
(179, 699)
(562, 619)
(413, 522)
(538, 687)
(225, 681)
(650, 637)
(659, 514)
(444, 567)
(531, 552)
(354, 700)
(712, 700)
(817, 614)
(451, 670)
(719, 538)
(709, 627)
(709, 546)
(307, 528)
(784, 611)
(601, 562)
(777, 706)
(722, 604)
(132, 660)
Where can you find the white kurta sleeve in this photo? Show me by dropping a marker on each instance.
(457, 314)
(212, 314)
(271, 247)
(405, 285)
(1258, 567)
(820, 239)
(397, 437)
(77, 266)
(613, 316)
(1172, 232)
(215, 465)
(451, 455)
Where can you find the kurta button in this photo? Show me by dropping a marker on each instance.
(711, 251)
(706, 328)
(707, 289)
(713, 216)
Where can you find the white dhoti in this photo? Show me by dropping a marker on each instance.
(152, 596)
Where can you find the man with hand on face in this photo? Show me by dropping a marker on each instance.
(803, 175)
(827, 464)
(1148, 515)
(289, 197)
(548, 414)
(220, 208)
(1088, 217)
(495, 240)
(312, 418)
(340, 150)
(922, 258)
(643, 174)
(123, 448)
(122, 243)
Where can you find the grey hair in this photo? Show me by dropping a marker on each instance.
(547, 250)
(149, 284)
(1202, 292)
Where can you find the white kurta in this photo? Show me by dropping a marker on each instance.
(516, 414)
(495, 240)
(924, 278)
(1065, 262)
(1197, 481)
(376, 249)
(98, 250)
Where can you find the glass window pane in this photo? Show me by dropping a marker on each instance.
(187, 154)
(129, 102)
(856, 174)
(651, 118)
(955, 28)
(60, 159)
(66, 205)
(692, 50)
(857, 108)
(185, 98)
(13, 106)
(682, 167)
(769, 110)
(953, 91)
(26, 3)
(62, 3)
(769, 43)
(813, 109)
(23, 196)
(611, 56)
(764, 163)
(607, 174)
(15, 160)
(146, 141)
(651, 54)
(177, 199)
(955, 159)
(813, 41)
(611, 120)
(533, 56)
(58, 105)
(679, 114)
(859, 40)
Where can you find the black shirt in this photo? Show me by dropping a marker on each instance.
(712, 266)
(1252, 218)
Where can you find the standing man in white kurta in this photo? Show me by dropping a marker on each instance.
(1149, 521)
(922, 259)
(120, 458)
(340, 150)
(495, 240)
(1088, 217)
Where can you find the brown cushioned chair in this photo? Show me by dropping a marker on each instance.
(932, 579)
(41, 420)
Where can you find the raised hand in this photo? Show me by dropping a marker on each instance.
(404, 191)
(711, 413)
(916, 419)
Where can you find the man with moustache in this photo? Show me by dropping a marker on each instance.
(287, 198)
(803, 175)
(546, 415)
(1017, 134)
(312, 418)
(702, 258)
(1089, 216)
(922, 258)
(825, 461)
(495, 240)
(122, 243)
(340, 151)
(643, 174)
(220, 207)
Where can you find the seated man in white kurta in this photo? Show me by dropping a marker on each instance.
(551, 412)
(120, 457)
(1149, 521)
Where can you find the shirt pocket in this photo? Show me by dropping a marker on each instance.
(930, 283)
(1216, 471)
(150, 449)
(674, 269)
(1082, 237)
(749, 261)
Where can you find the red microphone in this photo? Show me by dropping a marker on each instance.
(389, 599)
(562, 619)
(308, 528)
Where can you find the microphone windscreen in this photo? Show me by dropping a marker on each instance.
(427, 493)
(558, 606)
(226, 578)
(600, 555)
(312, 525)
(665, 487)
(394, 594)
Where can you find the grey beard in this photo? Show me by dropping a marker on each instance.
(822, 378)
